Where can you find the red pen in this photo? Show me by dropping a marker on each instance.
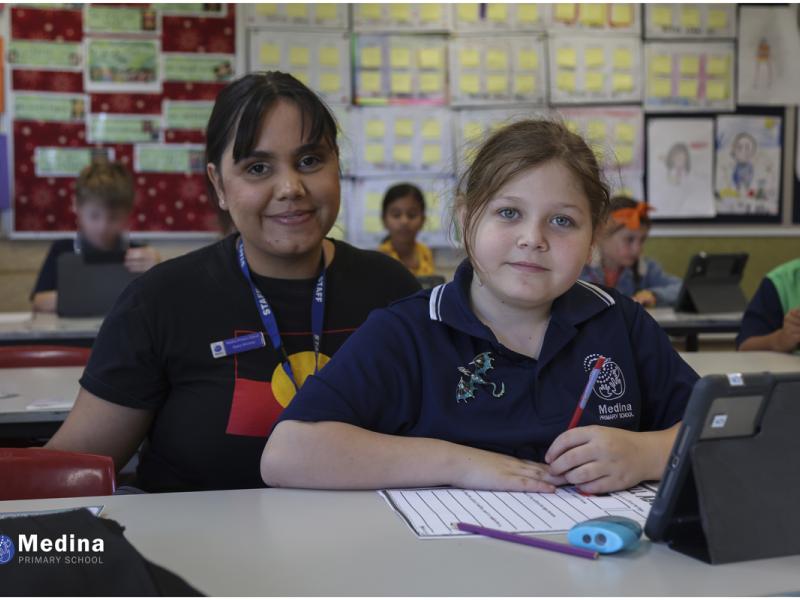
(587, 391)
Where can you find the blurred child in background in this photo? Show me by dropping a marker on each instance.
(404, 217)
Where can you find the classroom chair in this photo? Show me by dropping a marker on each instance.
(15, 357)
(30, 473)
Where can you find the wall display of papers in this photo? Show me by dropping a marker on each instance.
(497, 70)
(412, 18)
(400, 69)
(497, 16)
(297, 15)
(404, 139)
(748, 164)
(690, 20)
(594, 69)
(473, 126)
(364, 222)
(319, 60)
(689, 76)
(600, 18)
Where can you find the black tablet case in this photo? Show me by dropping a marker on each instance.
(741, 500)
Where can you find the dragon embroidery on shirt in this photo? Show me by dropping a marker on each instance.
(481, 364)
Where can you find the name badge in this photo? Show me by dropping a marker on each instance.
(237, 345)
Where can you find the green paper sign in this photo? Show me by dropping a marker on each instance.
(64, 162)
(120, 19)
(175, 158)
(122, 65)
(187, 115)
(44, 55)
(198, 67)
(67, 108)
(123, 129)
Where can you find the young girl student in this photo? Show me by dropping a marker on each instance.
(103, 203)
(619, 262)
(473, 384)
(403, 217)
(203, 352)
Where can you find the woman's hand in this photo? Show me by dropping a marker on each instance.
(139, 260)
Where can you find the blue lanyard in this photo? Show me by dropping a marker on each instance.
(271, 324)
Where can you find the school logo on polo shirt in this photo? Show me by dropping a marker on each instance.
(609, 388)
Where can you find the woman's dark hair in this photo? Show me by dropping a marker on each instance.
(402, 190)
(240, 108)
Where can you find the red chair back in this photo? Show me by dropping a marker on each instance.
(28, 473)
(15, 357)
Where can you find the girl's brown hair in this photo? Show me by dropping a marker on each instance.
(521, 146)
(108, 183)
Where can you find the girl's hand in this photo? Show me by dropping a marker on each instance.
(604, 459)
(787, 337)
(645, 297)
(139, 260)
(483, 470)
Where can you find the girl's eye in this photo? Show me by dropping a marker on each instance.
(257, 169)
(508, 213)
(562, 221)
(309, 161)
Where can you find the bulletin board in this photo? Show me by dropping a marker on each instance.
(136, 82)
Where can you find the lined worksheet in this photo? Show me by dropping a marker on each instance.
(432, 512)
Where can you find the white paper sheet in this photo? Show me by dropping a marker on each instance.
(431, 513)
(50, 404)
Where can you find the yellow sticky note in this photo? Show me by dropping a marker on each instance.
(470, 83)
(372, 224)
(717, 65)
(400, 13)
(716, 90)
(400, 57)
(528, 59)
(430, 13)
(433, 223)
(566, 12)
(596, 130)
(369, 11)
(497, 83)
(690, 16)
(690, 64)
(329, 56)
(431, 129)
(430, 82)
(374, 202)
(468, 13)
(302, 77)
(401, 83)
(566, 57)
(374, 153)
(376, 128)
(299, 56)
(430, 58)
(370, 81)
(593, 57)
(527, 13)
(621, 14)
(661, 64)
(599, 153)
(472, 130)
(565, 80)
(687, 88)
(267, 10)
(402, 153)
(497, 59)
(297, 11)
(717, 19)
(622, 82)
(371, 56)
(330, 82)
(469, 57)
(594, 81)
(660, 88)
(624, 154)
(326, 12)
(593, 14)
(624, 132)
(496, 12)
(404, 128)
(270, 54)
(524, 84)
(623, 58)
(662, 15)
(431, 154)
(571, 126)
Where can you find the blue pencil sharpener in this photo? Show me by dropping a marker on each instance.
(606, 535)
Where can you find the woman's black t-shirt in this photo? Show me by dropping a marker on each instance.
(213, 416)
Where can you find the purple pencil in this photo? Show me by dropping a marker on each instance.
(527, 541)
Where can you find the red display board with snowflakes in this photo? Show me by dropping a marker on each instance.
(134, 81)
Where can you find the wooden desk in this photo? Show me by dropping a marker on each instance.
(692, 325)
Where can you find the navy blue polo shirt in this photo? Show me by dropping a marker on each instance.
(426, 366)
(764, 313)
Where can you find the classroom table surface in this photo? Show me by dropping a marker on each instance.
(304, 542)
(41, 327)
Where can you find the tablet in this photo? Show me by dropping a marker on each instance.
(711, 284)
(88, 289)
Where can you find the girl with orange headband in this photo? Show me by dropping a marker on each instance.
(619, 262)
